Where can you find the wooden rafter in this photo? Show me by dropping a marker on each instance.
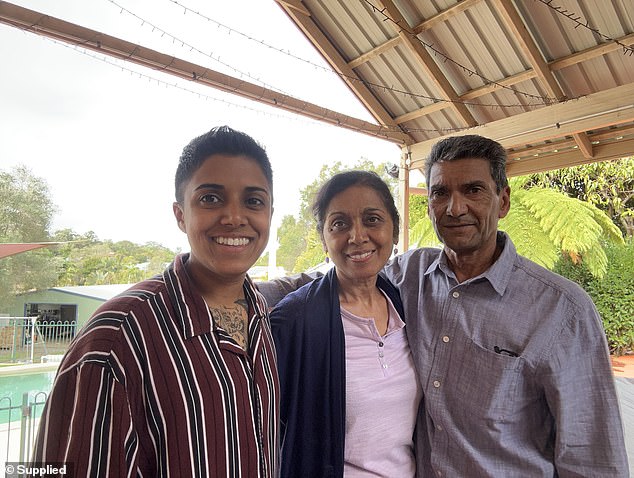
(523, 39)
(597, 110)
(428, 64)
(512, 20)
(421, 27)
(340, 65)
(555, 65)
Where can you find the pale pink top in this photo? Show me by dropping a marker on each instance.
(382, 397)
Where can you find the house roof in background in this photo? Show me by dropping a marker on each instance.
(100, 292)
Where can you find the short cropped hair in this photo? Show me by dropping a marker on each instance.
(471, 146)
(342, 181)
(219, 140)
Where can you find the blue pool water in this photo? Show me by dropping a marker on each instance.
(12, 387)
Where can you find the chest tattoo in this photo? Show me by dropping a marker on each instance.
(234, 320)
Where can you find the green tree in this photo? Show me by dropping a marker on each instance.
(417, 214)
(609, 185)
(543, 223)
(89, 261)
(292, 240)
(313, 254)
(26, 212)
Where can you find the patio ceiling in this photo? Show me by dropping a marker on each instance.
(552, 80)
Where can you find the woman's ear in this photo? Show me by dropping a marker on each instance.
(180, 216)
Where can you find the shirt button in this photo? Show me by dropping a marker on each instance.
(380, 344)
(439, 428)
(381, 354)
(436, 384)
(384, 365)
(445, 339)
(455, 296)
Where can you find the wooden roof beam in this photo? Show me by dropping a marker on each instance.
(339, 64)
(514, 23)
(428, 64)
(584, 144)
(612, 133)
(512, 20)
(596, 110)
(555, 65)
(573, 157)
(421, 27)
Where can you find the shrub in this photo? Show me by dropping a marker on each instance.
(613, 294)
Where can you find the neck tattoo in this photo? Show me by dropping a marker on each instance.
(234, 320)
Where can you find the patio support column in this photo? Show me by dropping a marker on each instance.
(403, 199)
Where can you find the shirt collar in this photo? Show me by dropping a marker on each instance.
(498, 274)
(190, 309)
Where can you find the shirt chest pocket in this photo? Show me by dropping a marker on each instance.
(486, 382)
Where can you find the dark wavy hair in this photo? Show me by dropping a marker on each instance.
(342, 181)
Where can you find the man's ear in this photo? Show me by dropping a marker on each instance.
(179, 215)
(505, 201)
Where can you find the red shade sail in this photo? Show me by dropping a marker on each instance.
(16, 248)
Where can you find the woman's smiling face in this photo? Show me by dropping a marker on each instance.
(358, 233)
(226, 214)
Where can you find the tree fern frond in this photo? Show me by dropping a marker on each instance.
(596, 261)
(422, 234)
(529, 239)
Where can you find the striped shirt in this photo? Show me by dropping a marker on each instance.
(152, 386)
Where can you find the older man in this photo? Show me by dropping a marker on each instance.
(512, 357)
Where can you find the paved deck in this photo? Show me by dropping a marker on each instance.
(624, 376)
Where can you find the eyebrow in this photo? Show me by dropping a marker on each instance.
(365, 211)
(251, 189)
(478, 182)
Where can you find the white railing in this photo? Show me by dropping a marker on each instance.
(17, 434)
(27, 339)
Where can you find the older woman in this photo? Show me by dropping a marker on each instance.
(348, 386)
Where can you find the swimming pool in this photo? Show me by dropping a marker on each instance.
(12, 387)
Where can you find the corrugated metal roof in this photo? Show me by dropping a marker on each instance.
(447, 67)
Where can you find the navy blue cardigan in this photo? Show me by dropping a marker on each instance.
(310, 345)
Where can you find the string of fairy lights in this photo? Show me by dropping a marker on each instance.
(230, 30)
(543, 100)
(371, 85)
(121, 65)
(579, 22)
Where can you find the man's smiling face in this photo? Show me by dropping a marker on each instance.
(464, 205)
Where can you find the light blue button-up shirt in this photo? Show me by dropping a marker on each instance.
(515, 371)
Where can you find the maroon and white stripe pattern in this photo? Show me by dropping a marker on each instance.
(152, 387)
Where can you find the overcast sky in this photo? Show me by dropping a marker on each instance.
(107, 139)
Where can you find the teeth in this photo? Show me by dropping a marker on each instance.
(359, 257)
(232, 241)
